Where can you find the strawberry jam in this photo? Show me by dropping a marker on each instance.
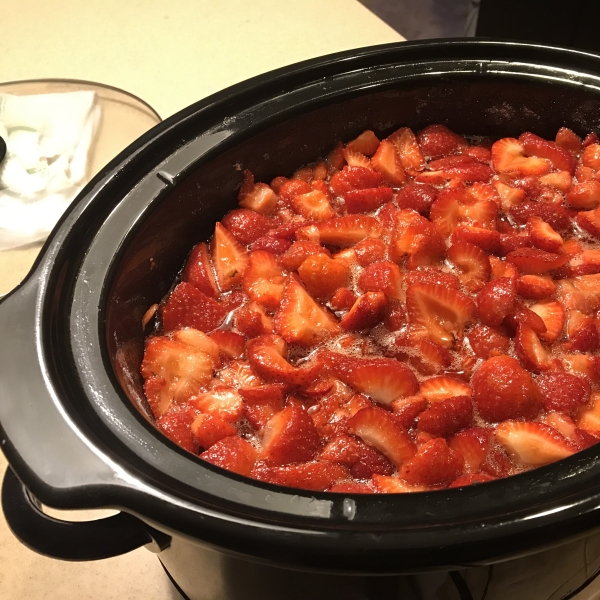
(409, 314)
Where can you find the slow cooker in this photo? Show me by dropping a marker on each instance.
(74, 423)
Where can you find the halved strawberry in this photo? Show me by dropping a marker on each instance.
(335, 159)
(521, 315)
(537, 262)
(343, 299)
(366, 143)
(469, 171)
(446, 417)
(496, 300)
(176, 425)
(580, 293)
(229, 258)
(473, 263)
(533, 444)
(561, 181)
(588, 418)
(223, 402)
(590, 138)
(258, 197)
(442, 312)
(261, 402)
(535, 287)
(437, 389)
(313, 205)
(560, 158)
(198, 271)
(433, 276)
(586, 365)
(300, 320)
(483, 213)
(582, 331)
(529, 349)
(487, 239)
(383, 277)
(232, 453)
(438, 140)
(290, 436)
(473, 445)
(430, 358)
(369, 251)
(354, 178)
(322, 275)
(209, 429)
(479, 153)
(566, 138)
(508, 155)
(591, 156)
(543, 236)
(349, 230)
(406, 410)
(502, 390)
(444, 211)
(392, 485)
(252, 320)
(418, 196)
(555, 215)
(563, 391)
(263, 279)
(368, 310)
(314, 475)
(487, 341)
(299, 251)
(189, 307)
(387, 162)
(247, 225)
(509, 196)
(433, 464)
(416, 236)
(553, 315)
(231, 344)
(379, 428)
(408, 149)
(590, 221)
(292, 188)
(366, 200)
(270, 243)
(585, 195)
(356, 159)
(198, 340)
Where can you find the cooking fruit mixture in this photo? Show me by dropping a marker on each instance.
(410, 314)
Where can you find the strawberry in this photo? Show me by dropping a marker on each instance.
(229, 258)
(486, 239)
(383, 277)
(379, 428)
(387, 162)
(479, 153)
(300, 320)
(533, 444)
(369, 251)
(366, 143)
(263, 279)
(509, 196)
(261, 402)
(232, 453)
(354, 178)
(317, 475)
(508, 155)
(351, 488)
(362, 459)
(223, 402)
(349, 230)
(392, 485)
(511, 241)
(450, 161)
(437, 389)
(406, 410)
(366, 200)
(591, 156)
(416, 236)
(446, 417)
(537, 262)
(232, 344)
(590, 221)
(471, 479)
(298, 252)
(483, 213)
(258, 197)
(313, 205)
(590, 138)
(473, 263)
(585, 195)
(560, 158)
(444, 210)
(247, 225)
(198, 271)
(272, 244)
(553, 315)
(487, 341)
(502, 390)
(356, 159)
(473, 445)
(582, 331)
(434, 464)
(431, 358)
(209, 429)
(561, 181)
(556, 216)
(199, 340)
(368, 310)
(176, 425)
(290, 436)
(322, 275)
(441, 311)
(496, 300)
(251, 320)
(533, 355)
(535, 287)
(335, 159)
(417, 196)
(580, 293)
(395, 317)
(469, 171)
(292, 188)
(432, 276)
(586, 365)
(189, 307)
(438, 140)
(569, 140)
(563, 391)
(343, 299)
(521, 315)
(408, 149)
(588, 418)
(543, 236)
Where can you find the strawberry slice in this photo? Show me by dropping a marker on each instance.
(521, 315)
(258, 197)
(487, 239)
(582, 331)
(356, 159)
(445, 211)
(366, 200)
(343, 299)
(209, 429)
(366, 143)
(586, 365)
(471, 479)
(272, 244)
(368, 310)
(566, 138)
(298, 252)
(563, 391)
(536, 262)
(292, 188)
(509, 196)
(387, 162)
(229, 258)
(432, 276)
(222, 402)
(176, 425)
(392, 485)
(408, 149)
(189, 307)
(553, 315)
(263, 279)
(446, 417)
(313, 205)
(442, 311)
(300, 320)
(473, 445)
(417, 196)
(590, 221)
(246, 225)
(560, 158)
(261, 402)
(535, 287)
(588, 418)
(416, 236)
(198, 271)
(434, 464)
(473, 263)
(437, 140)
(349, 230)
(471, 171)
(533, 355)
(323, 276)
(543, 236)
(437, 389)
(508, 155)
(580, 293)
(533, 444)
(362, 459)
(496, 300)
(584, 195)
(232, 453)
(369, 251)
(354, 178)
(479, 153)
(379, 428)
(406, 410)
(487, 341)
(198, 340)
(561, 181)
(502, 390)
(231, 344)
(591, 155)
(483, 213)
(384, 276)
(555, 215)
(316, 475)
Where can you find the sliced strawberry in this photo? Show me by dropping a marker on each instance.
(383, 277)
(387, 162)
(591, 156)
(543, 236)
(349, 230)
(537, 262)
(434, 464)
(229, 258)
(263, 279)
(313, 205)
(487, 239)
(417, 196)
(496, 300)
(189, 307)
(272, 244)
(437, 389)
(368, 310)
(561, 181)
(450, 161)
(521, 315)
(502, 390)
(354, 178)
(223, 402)
(335, 159)
(395, 317)
(580, 293)
(198, 340)
(586, 365)
(209, 429)
(356, 159)
(176, 425)
(392, 485)
(470, 171)
(483, 212)
(229, 343)
(432, 276)
(584, 195)
(553, 315)
(408, 149)
(300, 320)
(369, 251)
(232, 453)
(590, 138)
(479, 153)
(471, 479)
(560, 158)
(258, 197)
(529, 349)
(590, 221)
(299, 252)
(563, 391)
(322, 275)
(566, 138)
(290, 436)
(533, 444)
(366, 143)
(247, 225)
(351, 488)
(198, 271)
(473, 445)
(362, 459)
(438, 140)
(509, 196)
(535, 287)
(316, 475)
(588, 418)
(416, 236)
(252, 320)
(556, 216)
(582, 331)
(406, 410)
(508, 155)
(444, 210)
(343, 299)
(379, 428)
(473, 264)
(430, 358)
(366, 200)
(261, 403)
(487, 341)
(292, 188)
(446, 417)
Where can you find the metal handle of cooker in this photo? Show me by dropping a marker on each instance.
(66, 540)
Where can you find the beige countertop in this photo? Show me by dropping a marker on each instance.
(170, 54)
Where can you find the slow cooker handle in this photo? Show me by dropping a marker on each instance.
(66, 540)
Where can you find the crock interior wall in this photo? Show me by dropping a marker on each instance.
(476, 105)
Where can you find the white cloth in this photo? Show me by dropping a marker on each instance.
(48, 138)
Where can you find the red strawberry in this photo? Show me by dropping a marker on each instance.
(588, 419)
(230, 343)
(537, 262)
(553, 315)
(590, 221)
(416, 236)
(434, 464)
(189, 307)
(533, 444)
(406, 410)
(272, 244)
(569, 140)
(366, 143)
(487, 239)
(442, 387)
(356, 159)
(582, 331)
(509, 196)
(258, 197)
(335, 160)
(559, 157)
(479, 153)
(349, 230)
(486, 341)
(580, 293)
(198, 340)
(502, 390)
(247, 225)
(300, 320)
(561, 181)
(351, 488)
(471, 479)
(317, 475)
(232, 453)
(222, 402)
(473, 263)
(198, 271)
(535, 287)
(176, 425)
(533, 355)
(368, 310)
(438, 140)
(508, 155)
(251, 320)
(441, 311)
(444, 210)
(563, 391)
(362, 459)
(261, 402)
(387, 162)
(556, 216)
(263, 279)
(586, 365)
(392, 485)
(473, 445)
(432, 276)
(369, 251)
(313, 205)
(431, 358)
(298, 252)
(418, 196)
(343, 299)
(379, 428)
(290, 436)
(470, 171)
(292, 188)
(209, 429)
(496, 300)
(366, 200)
(584, 195)
(229, 258)
(521, 315)
(322, 275)
(354, 178)
(383, 277)
(481, 213)
(543, 236)
(591, 155)
(450, 161)
(408, 148)
(444, 418)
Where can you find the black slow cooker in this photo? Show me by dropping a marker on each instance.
(74, 424)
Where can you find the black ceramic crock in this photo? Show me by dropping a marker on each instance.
(74, 425)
